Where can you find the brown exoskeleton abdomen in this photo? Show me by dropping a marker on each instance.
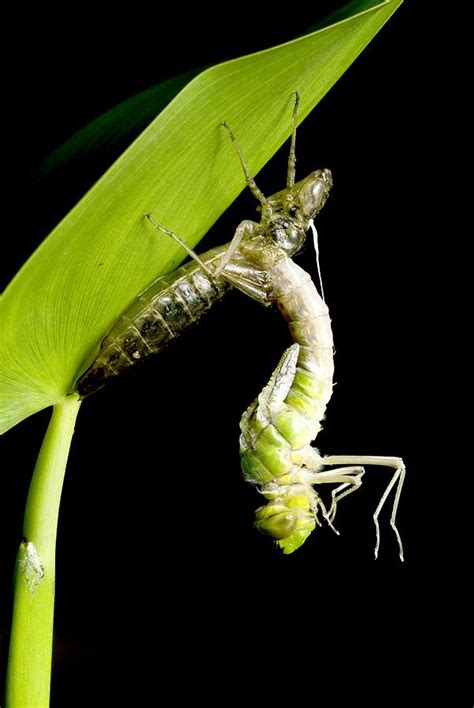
(158, 315)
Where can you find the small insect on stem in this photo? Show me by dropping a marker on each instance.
(30, 564)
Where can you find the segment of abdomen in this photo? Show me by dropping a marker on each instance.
(309, 323)
(279, 426)
(157, 316)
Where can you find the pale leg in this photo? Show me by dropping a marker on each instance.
(399, 475)
(349, 479)
(325, 514)
(336, 496)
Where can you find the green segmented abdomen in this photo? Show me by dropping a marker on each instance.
(274, 432)
(162, 311)
(280, 425)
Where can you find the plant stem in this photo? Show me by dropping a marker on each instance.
(29, 664)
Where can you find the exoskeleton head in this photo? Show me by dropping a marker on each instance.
(309, 195)
(293, 208)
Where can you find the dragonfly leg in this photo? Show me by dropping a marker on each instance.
(325, 513)
(337, 494)
(395, 463)
(349, 479)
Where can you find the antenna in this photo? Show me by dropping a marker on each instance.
(290, 179)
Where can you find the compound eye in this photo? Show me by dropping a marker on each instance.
(279, 526)
(292, 211)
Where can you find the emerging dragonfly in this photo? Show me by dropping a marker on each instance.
(171, 303)
(279, 426)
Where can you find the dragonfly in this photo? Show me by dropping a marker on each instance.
(279, 426)
(277, 429)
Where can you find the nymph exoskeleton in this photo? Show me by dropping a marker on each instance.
(174, 301)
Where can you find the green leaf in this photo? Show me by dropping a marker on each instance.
(182, 168)
(113, 130)
(105, 137)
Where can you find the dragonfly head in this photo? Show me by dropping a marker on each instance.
(292, 209)
(289, 519)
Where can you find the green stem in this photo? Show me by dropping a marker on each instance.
(29, 664)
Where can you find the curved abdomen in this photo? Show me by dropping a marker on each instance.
(281, 423)
(310, 325)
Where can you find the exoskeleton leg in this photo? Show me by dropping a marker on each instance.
(244, 228)
(399, 475)
(179, 240)
(248, 280)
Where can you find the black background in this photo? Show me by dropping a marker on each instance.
(162, 584)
